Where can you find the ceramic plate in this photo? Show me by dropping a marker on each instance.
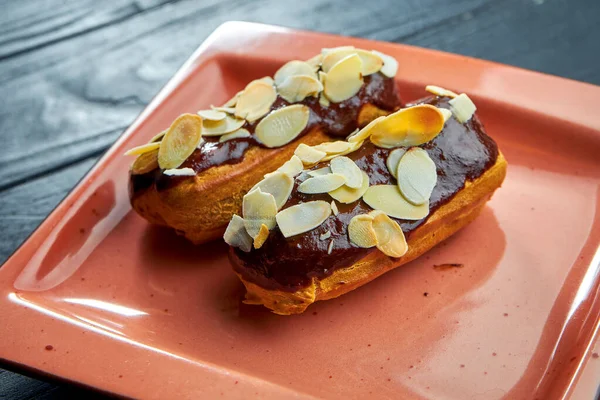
(99, 297)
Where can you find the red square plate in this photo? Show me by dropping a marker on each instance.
(99, 297)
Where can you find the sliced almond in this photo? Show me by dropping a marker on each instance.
(387, 198)
(255, 101)
(353, 147)
(334, 208)
(327, 50)
(347, 195)
(390, 65)
(145, 148)
(393, 160)
(330, 247)
(302, 217)
(324, 101)
(440, 91)
(298, 87)
(239, 134)
(262, 236)
(236, 235)
(417, 176)
(336, 147)
(408, 127)
(145, 163)
(390, 238)
(293, 68)
(180, 141)
(349, 170)
(258, 208)
(446, 113)
(321, 184)
(365, 132)
(282, 126)
(315, 61)
(371, 62)
(361, 232)
(217, 128)
(226, 110)
(233, 101)
(333, 56)
(179, 172)
(320, 171)
(344, 79)
(279, 184)
(158, 137)
(325, 236)
(268, 80)
(462, 107)
(308, 154)
(293, 167)
(212, 115)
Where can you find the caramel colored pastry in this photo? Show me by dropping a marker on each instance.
(193, 176)
(410, 180)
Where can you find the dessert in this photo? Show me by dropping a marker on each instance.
(340, 214)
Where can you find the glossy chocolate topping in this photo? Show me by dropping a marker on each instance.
(461, 152)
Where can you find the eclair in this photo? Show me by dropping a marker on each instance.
(192, 176)
(338, 215)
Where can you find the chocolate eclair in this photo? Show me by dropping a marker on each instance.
(192, 176)
(338, 215)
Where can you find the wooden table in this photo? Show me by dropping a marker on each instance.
(75, 73)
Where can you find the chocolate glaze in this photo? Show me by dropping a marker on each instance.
(461, 152)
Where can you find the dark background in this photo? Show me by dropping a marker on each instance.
(74, 75)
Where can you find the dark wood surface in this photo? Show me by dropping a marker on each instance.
(75, 73)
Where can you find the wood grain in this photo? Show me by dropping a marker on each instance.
(75, 73)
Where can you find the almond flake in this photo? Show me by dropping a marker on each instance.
(365, 132)
(226, 110)
(440, 91)
(462, 107)
(334, 208)
(371, 62)
(145, 148)
(236, 236)
(179, 172)
(321, 184)
(349, 170)
(387, 198)
(417, 176)
(411, 126)
(180, 141)
(293, 68)
(330, 247)
(393, 160)
(390, 65)
(347, 195)
(298, 87)
(309, 155)
(267, 79)
(302, 217)
(158, 137)
(145, 163)
(353, 147)
(361, 232)
(279, 184)
(315, 61)
(282, 125)
(336, 147)
(233, 101)
(262, 236)
(217, 128)
(323, 101)
(446, 113)
(239, 134)
(255, 101)
(258, 208)
(333, 56)
(325, 235)
(212, 115)
(390, 238)
(344, 79)
(293, 167)
(320, 171)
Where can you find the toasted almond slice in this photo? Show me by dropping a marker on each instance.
(365, 132)
(353, 147)
(158, 137)
(334, 208)
(323, 100)
(388, 199)
(282, 126)
(258, 208)
(408, 127)
(390, 65)
(233, 101)
(333, 56)
(302, 217)
(293, 167)
(226, 110)
(236, 235)
(344, 79)
(180, 141)
(336, 147)
(298, 87)
(446, 113)
(315, 61)
(393, 160)
(267, 79)
(347, 195)
(330, 247)
(217, 128)
(349, 170)
(309, 155)
(462, 107)
(320, 171)
(325, 235)
(390, 238)
(239, 134)
(145, 148)
(440, 91)
(417, 176)
(255, 101)
(279, 184)
(361, 232)
(179, 172)
(262, 236)
(371, 62)
(321, 184)
(212, 115)
(292, 68)
(145, 163)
